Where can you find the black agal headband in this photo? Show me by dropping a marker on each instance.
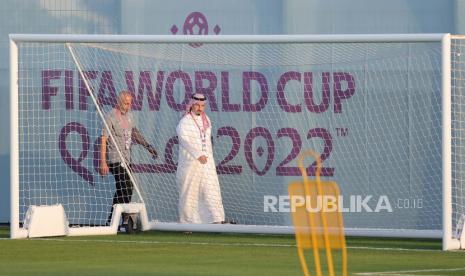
(198, 97)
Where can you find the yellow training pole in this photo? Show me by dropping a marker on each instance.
(316, 252)
(329, 255)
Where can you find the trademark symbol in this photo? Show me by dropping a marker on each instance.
(342, 131)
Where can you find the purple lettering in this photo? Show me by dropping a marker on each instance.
(328, 147)
(208, 91)
(340, 94)
(294, 136)
(226, 105)
(47, 90)
(308, 92)
(247, 77)
(83, 91)
(154, 100)
(106, 84)
(75, 164)
(69, 101)
(172, 77)
(222, 167)
(145, 82)
(291, 75)
(248, 143)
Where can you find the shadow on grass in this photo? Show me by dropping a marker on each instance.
(406, 243)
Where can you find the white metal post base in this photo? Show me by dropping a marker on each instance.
(46, 221)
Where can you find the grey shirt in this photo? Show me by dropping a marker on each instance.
(121, 129)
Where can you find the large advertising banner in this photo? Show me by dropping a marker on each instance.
(371, 111)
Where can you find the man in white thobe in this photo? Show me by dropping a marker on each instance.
(199, 189)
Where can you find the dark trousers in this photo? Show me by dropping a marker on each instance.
(123, 185)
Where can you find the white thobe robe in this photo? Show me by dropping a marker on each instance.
(199, 189)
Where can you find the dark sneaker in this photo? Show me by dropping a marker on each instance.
(229, 221)
(130, 226)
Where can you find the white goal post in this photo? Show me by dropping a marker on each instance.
(383, 111)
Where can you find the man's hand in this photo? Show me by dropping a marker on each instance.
(202, 159)
(152, 151)
(104, 168)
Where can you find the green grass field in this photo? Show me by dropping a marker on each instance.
(172, 253)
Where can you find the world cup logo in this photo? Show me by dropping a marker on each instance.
(195, 24)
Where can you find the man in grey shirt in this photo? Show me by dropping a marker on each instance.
(120, 123)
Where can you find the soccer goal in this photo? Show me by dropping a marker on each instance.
(383, 111)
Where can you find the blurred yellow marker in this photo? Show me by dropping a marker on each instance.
(317, 219)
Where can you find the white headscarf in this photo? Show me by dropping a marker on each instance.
(196, 98)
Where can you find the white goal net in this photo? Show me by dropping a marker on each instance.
(372, 108)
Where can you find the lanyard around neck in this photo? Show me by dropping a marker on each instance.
(123, 119)
(202, 130)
